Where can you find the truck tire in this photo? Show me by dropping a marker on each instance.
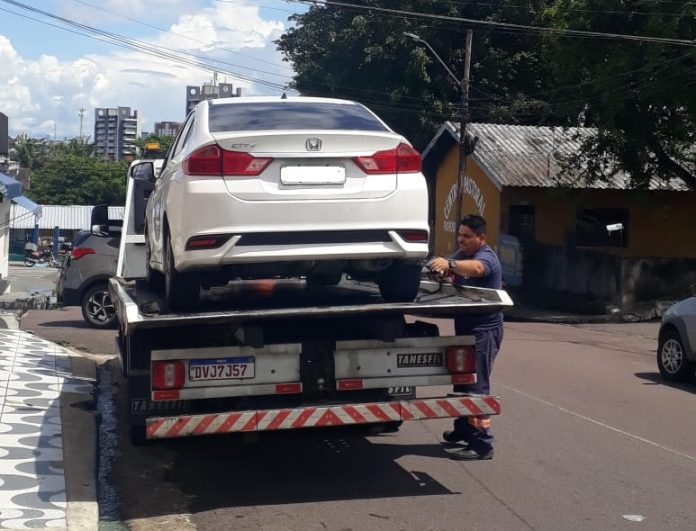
(181, 290)
(672, 358)
(97, 308)
(323, 279)
(400, 282)
(137, 437)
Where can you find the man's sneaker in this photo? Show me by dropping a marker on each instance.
(451, 437)
(467, 454)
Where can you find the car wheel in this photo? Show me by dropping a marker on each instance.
(671, 358)
(155, 279)
(181, 290)
(400, 282)
(97, 308)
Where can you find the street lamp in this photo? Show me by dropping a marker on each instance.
(463, 85)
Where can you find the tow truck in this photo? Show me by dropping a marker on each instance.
(278, 354)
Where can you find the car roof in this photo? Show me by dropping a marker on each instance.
(278, 99)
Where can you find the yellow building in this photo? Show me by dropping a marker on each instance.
(600, 239)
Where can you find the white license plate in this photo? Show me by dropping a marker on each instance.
(221, 369)
(313, 175)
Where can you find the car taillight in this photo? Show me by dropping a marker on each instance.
(403, 159)
(213, 160)
(204, 161)
(460, 359)
(167, 375)
(78, 253)
(243, 164)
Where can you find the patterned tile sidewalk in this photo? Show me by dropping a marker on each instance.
(33, 373)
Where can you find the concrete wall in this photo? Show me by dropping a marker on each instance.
(646, 279)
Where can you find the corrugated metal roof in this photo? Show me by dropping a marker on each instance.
(517, 155)
(67, 217)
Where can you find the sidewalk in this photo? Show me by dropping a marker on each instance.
(35, 377)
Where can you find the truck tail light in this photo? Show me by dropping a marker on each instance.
(461, 359)
(403, 159)
(212, 160)
(210, 241)
(78, 253)
(167, 375)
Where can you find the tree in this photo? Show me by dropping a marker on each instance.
(164, 141)
(366, 57)
(637, 94)
(71, 179)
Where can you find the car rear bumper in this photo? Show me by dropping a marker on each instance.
(206, 208)
(69, 297)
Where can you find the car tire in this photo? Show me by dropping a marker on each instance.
(181, 290)
(97, 308)
(155, 279)
(400, 282)
(671, 358)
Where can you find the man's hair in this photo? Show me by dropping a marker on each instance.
(475, 222)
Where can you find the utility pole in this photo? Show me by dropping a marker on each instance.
(81, 114)
(463, 121)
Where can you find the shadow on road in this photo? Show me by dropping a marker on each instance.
(298, 468)
(655, 378)
(77, 323)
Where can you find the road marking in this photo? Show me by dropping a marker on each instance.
(601, 424)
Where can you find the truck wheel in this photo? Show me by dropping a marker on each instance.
(181, 290)
(323, 279)
(400, 282)
(136, 436)
(97, 308)
(671, 358)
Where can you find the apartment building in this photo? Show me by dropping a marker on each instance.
(115, 132)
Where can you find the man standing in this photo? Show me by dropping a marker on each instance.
(474, 264)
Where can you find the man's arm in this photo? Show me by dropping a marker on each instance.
(464, 268)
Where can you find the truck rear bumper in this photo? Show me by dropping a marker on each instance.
(318, 417)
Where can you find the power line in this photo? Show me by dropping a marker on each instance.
(185, 36)
(504, 25)
(149, 49)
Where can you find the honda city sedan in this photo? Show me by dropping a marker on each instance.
(260, 187)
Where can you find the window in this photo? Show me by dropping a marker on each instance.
(602, 227)
(291, 115)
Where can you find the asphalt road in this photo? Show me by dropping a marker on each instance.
(589, 438)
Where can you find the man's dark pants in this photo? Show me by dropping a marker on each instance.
(487, 345)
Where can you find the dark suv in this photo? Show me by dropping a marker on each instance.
(84, 276)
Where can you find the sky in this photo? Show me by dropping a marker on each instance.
(50, 67)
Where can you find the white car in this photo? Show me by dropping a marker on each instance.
(261, 187)
(676, 350)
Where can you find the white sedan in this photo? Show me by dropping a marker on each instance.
(261, 187)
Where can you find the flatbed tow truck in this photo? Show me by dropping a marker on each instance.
(279, 355)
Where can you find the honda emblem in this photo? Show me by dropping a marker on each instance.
(313, 144)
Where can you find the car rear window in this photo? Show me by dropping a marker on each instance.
(290, 115)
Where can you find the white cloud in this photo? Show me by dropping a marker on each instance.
(35, 93)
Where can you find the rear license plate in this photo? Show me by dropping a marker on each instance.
(221, 369)
(312, 175)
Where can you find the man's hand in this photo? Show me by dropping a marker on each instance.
(439, 266)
